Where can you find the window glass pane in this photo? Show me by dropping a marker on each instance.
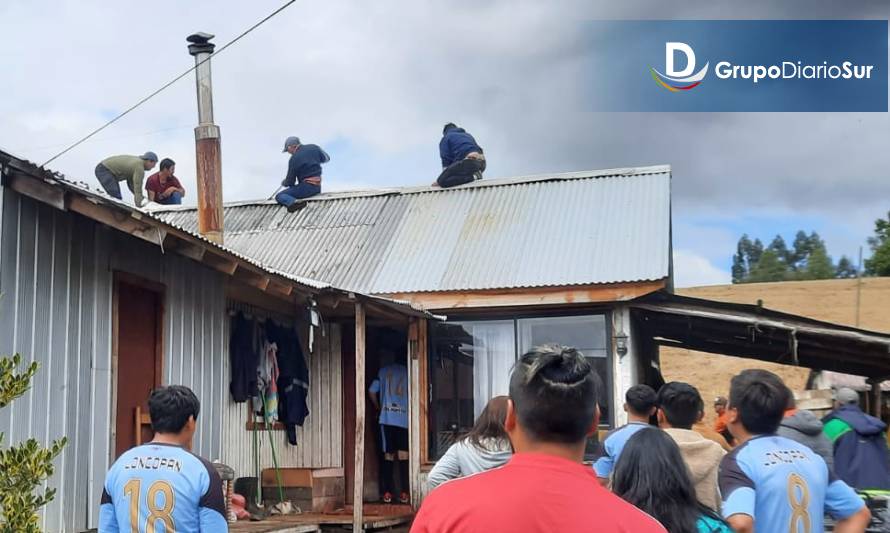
(471, 363)
(585, 333)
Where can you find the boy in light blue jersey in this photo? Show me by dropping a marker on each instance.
(774, 484)
(639, 403)
(161, 486)
(389, 395)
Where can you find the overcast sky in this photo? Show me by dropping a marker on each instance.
(373, 83)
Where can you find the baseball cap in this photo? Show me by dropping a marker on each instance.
(845, 395)
(149, 156)
(290, 141)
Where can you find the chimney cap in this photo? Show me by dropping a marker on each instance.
(200, 37)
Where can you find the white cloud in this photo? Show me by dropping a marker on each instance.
(693, 270)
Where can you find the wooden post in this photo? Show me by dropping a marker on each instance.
(875, 398)
(359, 477)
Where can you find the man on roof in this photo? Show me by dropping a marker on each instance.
(129, 168)
(462, 158)
(163, 187)
(303, 178)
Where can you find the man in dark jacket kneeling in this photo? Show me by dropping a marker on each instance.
(462, 158)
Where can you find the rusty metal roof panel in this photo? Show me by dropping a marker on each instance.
(568, 229)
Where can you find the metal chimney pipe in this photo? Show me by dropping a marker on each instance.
(208, 156)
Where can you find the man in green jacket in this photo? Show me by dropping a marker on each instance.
(129, 168)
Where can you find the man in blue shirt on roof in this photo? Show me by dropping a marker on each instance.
(772, 484)
(640, 405)
(303, 178)
(462, 157)
(389, 395)
(161, 486)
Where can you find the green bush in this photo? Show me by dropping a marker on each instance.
(26, 466)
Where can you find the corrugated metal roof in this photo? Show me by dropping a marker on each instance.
(560, 230)
(58, 179)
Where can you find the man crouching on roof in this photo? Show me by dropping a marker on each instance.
(303, 174)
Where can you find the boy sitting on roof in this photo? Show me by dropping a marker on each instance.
(163, 187)
(303, 174)
(462, 158)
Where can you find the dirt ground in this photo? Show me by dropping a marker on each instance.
(829, 300)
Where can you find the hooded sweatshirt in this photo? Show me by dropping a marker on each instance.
(455, 145)
(804, 427)
(702, 456)
(860, 451)
(464, 459)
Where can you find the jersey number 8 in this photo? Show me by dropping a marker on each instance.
(163, 513)
(799, 500)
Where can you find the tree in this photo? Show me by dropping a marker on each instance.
(845, 268)
(819, 265)
(800, 250)
(747, 255)
(769, 268)
(25, 466)
(879, 262)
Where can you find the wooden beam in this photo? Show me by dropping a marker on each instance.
(195, 252)
(252, 277)
(235, 290)
(118, 220)
(359, 474)
(278, 287)
(616, 292)
(224, 265)
(37, 189)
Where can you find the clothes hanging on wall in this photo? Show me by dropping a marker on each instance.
(268, 366)
(293, 383)
(243, 359)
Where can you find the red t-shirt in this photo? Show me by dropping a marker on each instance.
(532, 493)
(154, 183)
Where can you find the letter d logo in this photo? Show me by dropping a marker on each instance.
(670, 50)
(682, 80)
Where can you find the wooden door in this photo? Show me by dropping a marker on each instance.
(138, 342)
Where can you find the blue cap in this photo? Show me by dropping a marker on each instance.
(149, 156)
(291, 141)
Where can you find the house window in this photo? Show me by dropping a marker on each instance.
(471, 361)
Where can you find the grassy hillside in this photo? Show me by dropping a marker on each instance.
(830, 300)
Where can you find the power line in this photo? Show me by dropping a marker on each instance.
(168, 84)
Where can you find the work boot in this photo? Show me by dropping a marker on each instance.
(477, 175)
(296, 206)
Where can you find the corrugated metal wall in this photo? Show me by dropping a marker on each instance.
(56, 280)
(319, 441)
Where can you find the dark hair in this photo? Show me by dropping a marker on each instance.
(170, 408)
(721, 400)
(447, 127)
(651, 475)
(760, 398)
(681, 404)
(641, 399)
(554, 392)
(167, 163)
(490, 424)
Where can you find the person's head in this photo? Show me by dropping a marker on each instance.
(174, 412)
(490, 424)
(720, 405)
(149, 160)
(845, 396)
(651, 475)
(168, 167)
(291, 144)
(553, 399)
(757, 403)
(639, 402)
(447, 127)
(679, 405)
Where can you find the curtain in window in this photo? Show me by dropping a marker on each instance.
(494, 352)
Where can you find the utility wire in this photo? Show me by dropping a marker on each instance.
(168, 84)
